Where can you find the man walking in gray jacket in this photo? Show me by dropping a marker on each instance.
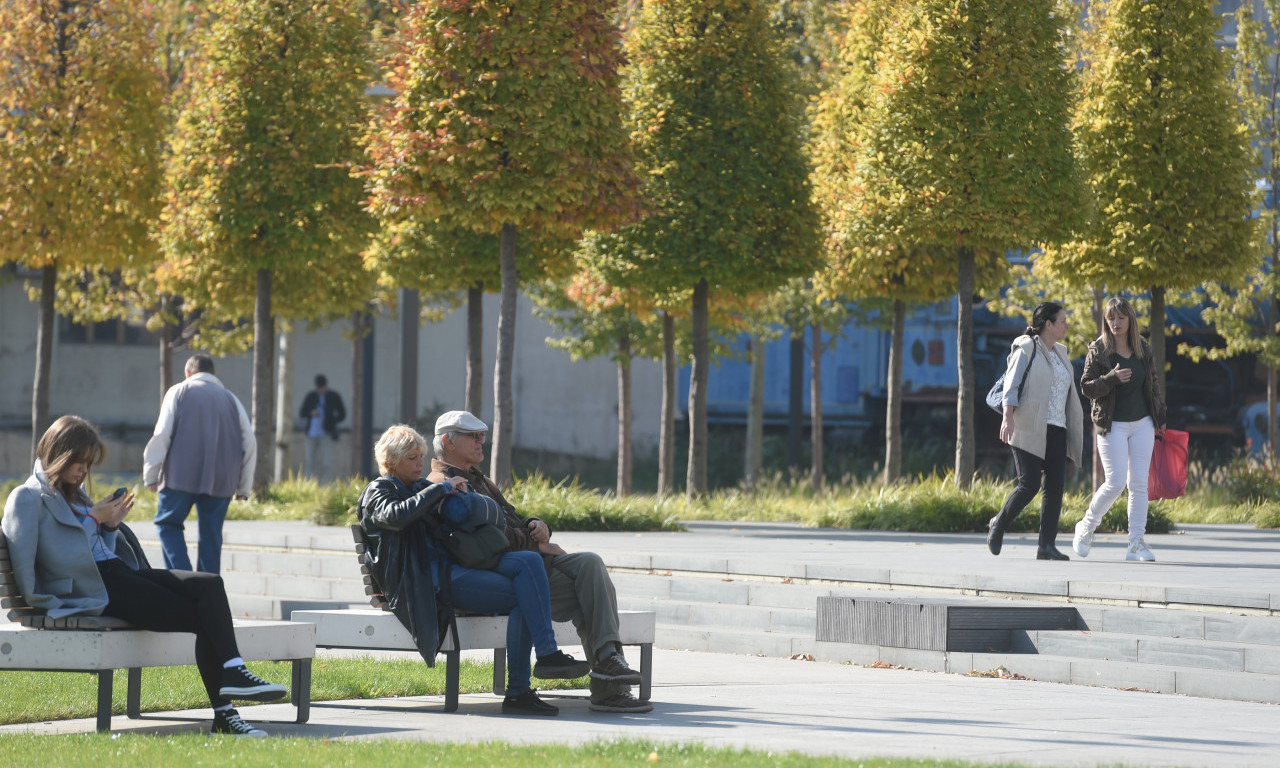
(202, 453)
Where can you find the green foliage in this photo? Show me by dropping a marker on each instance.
(716, 128)
(1165, 152)
(1252, 484)
(567, 506)
(504, 113)
(959, 126)
(79, 133)
(257, 176)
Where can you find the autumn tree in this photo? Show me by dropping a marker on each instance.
(596, 319)
(261, 215)
(1166, 155)
(717, 130)
(506, 118)
(78, 133)
(1247, 314)
(964, 150)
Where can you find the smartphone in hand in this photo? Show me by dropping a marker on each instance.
(119, 492)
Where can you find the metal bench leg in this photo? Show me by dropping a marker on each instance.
(300, 690)
(646, 670)
(499, 671)
(133, 694)
(104, 700)
(452, 659)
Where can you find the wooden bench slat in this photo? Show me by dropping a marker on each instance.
(15, 601)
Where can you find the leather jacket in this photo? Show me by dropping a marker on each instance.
(399, 522)
(1098, 383)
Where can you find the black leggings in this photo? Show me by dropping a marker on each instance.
(176, 601)
(1031, 468)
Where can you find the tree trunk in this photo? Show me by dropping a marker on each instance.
(409, 311)
(1099, 474)
(166, 335)
(264, 338)
(1273, 444)
(893, 401)
(503, 411)
(624, 416)
(815, 409)
(696, 471)
(753, 460)
(795, 404)
(45, 323)
(475, 349)
(964, 370)
(357, 390)
(667, 430)
(1157, 334)
(284, 401)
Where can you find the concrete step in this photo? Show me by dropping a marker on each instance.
(1147, 649)
(720, 639)
(735, 618)
(1205, 625)
(1107, 673)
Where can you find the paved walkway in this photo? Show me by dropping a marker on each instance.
(828, 709)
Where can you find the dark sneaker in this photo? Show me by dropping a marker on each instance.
(613, 668)
(240, 683)
(621, 702)
(527, 703)
(560, 666)
(229, 721)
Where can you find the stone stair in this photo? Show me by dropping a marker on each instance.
(1204, 642)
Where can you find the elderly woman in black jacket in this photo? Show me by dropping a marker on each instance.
(401, 515)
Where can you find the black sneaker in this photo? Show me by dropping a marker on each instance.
(621, 702)
(527, 703)
(560, 666)
(229, 721)
(613, 668)
(240, 683)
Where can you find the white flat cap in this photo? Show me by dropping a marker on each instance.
(459, 421)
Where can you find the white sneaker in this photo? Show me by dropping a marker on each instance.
(1083, 540)
(1139, 552)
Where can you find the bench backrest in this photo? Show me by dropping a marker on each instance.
(22, 613)
(371, 586)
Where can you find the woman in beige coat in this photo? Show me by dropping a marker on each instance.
(1044, 425)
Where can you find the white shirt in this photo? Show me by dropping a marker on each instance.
(158, 446)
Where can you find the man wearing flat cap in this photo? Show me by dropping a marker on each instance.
(581, 589)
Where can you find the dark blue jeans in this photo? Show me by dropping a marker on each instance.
(172, 508)
(517, 586)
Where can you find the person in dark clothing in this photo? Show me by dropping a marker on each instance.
(322, 410)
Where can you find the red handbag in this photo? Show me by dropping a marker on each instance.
(1168, 477)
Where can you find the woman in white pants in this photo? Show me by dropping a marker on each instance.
(1128, 413)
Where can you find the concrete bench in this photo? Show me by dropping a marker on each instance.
(379, 630)
(101, 644)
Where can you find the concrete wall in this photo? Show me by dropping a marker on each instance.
(562, 406)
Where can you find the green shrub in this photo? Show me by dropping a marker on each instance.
(1251, 483)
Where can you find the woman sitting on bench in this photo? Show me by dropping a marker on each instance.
(401, 516)
(72, 557)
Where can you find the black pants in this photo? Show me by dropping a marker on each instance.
(1031, 470)
(176, 601)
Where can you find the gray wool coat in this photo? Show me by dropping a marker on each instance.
(52, 560)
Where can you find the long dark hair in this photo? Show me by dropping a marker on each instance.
(68, 441)
(1044, 312)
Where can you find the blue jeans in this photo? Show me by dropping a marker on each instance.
(172, 509)
(517, 586)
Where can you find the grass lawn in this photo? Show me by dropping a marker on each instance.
(199, 750)
(37, 696)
